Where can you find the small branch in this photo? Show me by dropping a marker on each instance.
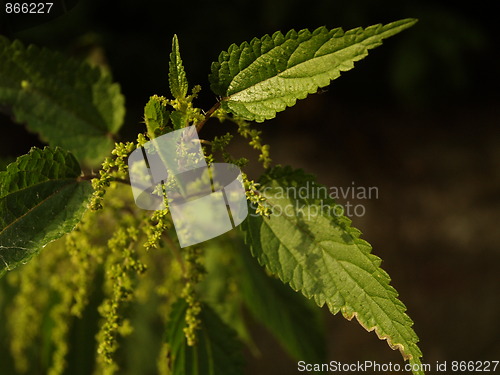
(207, 116)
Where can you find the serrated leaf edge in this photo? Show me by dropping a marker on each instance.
(230, 101)
(354, 234)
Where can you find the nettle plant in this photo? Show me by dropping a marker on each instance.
(117, 272)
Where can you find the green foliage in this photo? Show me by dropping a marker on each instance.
(258, 79)
(298, 329)
(221, 286)
(122, 261)
(176, 75)
(41, 198)
(69, 103)
(218, 350)
(156, 116)
(325, 258)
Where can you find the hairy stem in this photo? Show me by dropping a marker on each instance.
(207, 116)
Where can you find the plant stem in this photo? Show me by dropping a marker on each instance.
(207, 116)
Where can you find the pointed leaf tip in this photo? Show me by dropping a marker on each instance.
(267, 75)
(309, 245)
(176, 75)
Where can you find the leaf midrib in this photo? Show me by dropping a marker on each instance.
(279, 74)
(48, 179)
(70, 182)
(323, 253)
(378, 34)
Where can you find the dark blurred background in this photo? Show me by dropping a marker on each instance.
(418, 119)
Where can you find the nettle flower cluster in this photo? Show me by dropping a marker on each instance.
(162, 115)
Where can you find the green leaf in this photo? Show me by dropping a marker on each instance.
(312, 247)
(68, 102)
(216, 353)
(156, 116)
(290, 317)
(263, 77)
(179, 119)
(41, 198)
(176, 75)
(219, 286)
